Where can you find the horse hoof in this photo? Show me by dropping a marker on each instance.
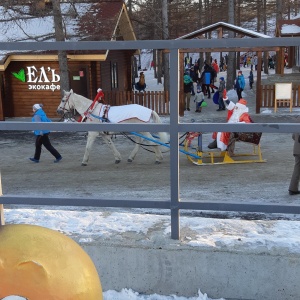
(157, 162)
(117, 161)
(129, 160)
(83, 164)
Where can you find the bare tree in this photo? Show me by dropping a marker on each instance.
(231, 55)
(165, 25)
(279, 9)
(62, 55)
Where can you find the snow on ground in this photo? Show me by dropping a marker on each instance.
(258, 235)
(128, 294)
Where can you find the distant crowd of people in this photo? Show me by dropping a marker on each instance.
(249, 60)
(200, 82)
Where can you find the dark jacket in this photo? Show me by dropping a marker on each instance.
(251, 79)
(221, 87)
(188, 83)
(296, 138)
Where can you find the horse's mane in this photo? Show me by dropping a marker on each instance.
(82, 97)
(82, 103)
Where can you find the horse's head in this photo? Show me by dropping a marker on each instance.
(66, 104)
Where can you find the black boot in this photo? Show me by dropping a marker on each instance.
(213, 145)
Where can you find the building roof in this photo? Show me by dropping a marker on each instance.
(288, 28)
(239, 30)
(104, 20)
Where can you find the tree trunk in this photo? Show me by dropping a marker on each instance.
(129, 6)
(231, 66)
(158, 36)
(62, 55)
(279, 8)
(165, 21)
(266, 53)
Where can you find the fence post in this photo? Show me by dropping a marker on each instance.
(1, 206)
(174, 151)
(258, 83)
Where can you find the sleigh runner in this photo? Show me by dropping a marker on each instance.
(193, 142)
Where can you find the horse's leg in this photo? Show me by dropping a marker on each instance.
(89, 143)
(155, 148)
(135, 150)
(109, 142)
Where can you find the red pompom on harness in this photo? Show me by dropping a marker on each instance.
(99, 97)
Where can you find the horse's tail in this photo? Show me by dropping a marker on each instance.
(163, 137)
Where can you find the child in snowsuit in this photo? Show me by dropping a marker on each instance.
(251, 80)
(199, 97)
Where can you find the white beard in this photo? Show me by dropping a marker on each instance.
(235, 117)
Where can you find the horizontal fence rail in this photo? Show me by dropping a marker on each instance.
(174, 127)
(155, 100)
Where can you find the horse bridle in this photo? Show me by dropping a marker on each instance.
(67, 112)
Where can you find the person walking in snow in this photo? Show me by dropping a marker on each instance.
(294, 183)
(251, 80)
(42, 136)
(239, 84)
(199, 96)
(221, 90)
(187, 88)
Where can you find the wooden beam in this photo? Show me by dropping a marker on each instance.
(181, 74)
(258, 82)
(2, 118)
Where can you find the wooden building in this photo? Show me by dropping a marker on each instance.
(220, 28)
(28, 78)
(288, 28)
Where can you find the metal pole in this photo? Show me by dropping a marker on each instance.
(174, 151)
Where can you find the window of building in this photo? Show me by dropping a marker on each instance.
(114, 75)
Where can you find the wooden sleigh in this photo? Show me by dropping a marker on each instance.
(193, 141)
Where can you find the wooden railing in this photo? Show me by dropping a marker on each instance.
(155, 100)
(160, 102)
(268, 94)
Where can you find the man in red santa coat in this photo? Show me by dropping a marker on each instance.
(237, 113)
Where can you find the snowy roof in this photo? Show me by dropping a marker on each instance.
(224, 25)
(105, 20)
(288, 27)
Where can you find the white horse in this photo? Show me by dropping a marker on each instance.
(132, 113)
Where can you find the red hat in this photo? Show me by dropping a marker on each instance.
(225, 95)
(242, 101)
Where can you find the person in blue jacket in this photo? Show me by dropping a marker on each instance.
(42, 136)
(239, 84)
